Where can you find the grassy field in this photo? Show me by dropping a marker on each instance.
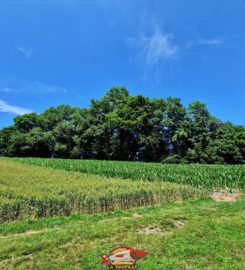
(199, 175)
(64, 214)
(211, 237)
(32, 192)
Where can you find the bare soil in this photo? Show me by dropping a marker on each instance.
(224, 195)
(179, 223)
(153, 229)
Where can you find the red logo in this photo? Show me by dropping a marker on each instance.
(123, 258)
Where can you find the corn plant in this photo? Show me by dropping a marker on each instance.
(198, 175)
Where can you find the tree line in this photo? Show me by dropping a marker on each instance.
(120, 126)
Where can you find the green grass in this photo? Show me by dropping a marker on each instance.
(213, 238)
(199, 175)
(32, 192)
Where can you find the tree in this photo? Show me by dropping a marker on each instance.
(228, 147)
(123, 127)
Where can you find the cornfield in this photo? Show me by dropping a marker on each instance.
(198, 175)
(33, 192)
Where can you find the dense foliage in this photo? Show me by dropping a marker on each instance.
(124, 127)
(198, 175)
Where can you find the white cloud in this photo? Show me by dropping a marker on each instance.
(34, 88)
(203, 42)
(7, 108)
(156, 48)
(214, 41)
(26, 51)
(159, 47)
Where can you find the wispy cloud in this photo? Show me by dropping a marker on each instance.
(33, 88)
(214, 41)
(160, 56)
(204, 42)
(7, 108)
(155, 48)
(27, 52)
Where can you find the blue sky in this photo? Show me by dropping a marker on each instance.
(56, 52)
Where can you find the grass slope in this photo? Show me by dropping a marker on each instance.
(213, 238)
(199, 175)
(32, 191)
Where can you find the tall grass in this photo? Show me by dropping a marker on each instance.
(34, 192)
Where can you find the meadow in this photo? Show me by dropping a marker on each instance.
(212, 237)
(198, 175)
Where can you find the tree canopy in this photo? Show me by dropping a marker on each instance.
(120, 126)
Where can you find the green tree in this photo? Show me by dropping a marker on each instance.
(123, 127)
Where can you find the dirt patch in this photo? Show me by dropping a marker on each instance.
(34, 232)
(136, 215)
(224, 195)
(153, 229)
(179, 223)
